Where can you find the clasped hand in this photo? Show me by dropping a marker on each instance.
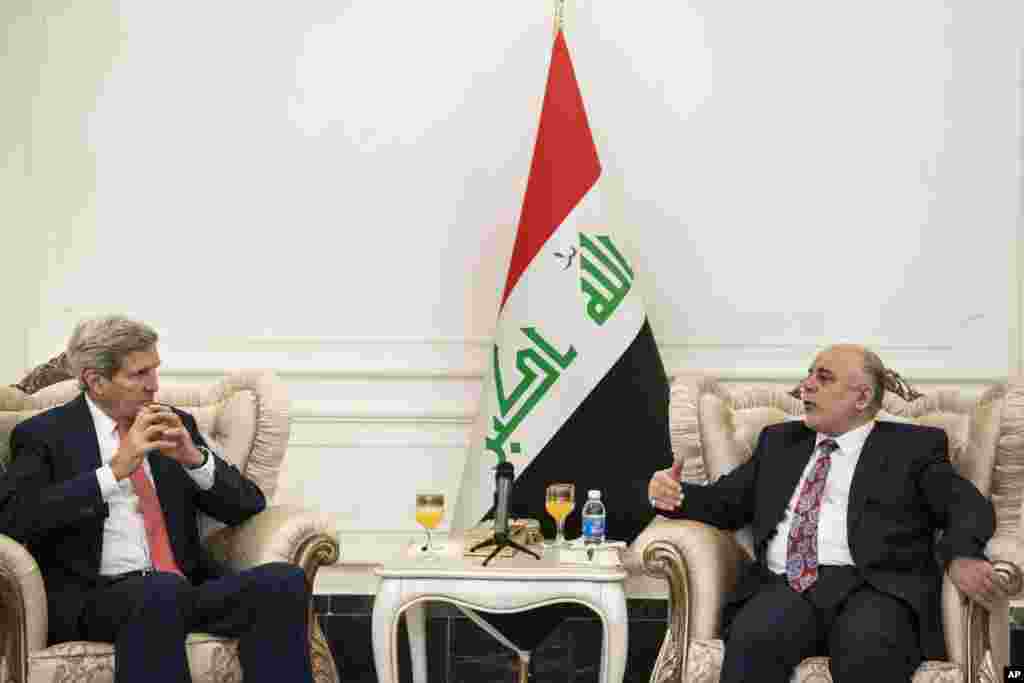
(155, 427)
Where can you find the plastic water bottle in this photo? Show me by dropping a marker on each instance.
(593, 519)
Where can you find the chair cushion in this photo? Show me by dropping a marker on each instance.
(1008, 477)
(230, 426)
(211, 659)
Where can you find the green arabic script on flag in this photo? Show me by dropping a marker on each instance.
(609, 281)
(542, 370)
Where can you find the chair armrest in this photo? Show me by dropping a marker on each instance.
(1006, 552)
(23, 614)
(285, 533)
(281, 533)
(971, 630)
(688, 555)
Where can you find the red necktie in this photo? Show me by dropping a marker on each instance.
(153, 519)
(802, 548)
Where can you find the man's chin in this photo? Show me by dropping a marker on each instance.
(813, 421)
(129, 409)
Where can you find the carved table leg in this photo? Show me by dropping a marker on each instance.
(416, 621)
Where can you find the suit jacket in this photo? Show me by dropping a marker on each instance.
(50, 501)
(903, 490)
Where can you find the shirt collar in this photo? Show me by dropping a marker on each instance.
(851, 441)
(105, 425)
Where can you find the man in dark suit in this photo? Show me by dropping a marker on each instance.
(105, 491)
(844, 512)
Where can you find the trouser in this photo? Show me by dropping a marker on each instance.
(870, 636)
(148, 617)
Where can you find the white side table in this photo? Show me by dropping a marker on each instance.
(506, 585)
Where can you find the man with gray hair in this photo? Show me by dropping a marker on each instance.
(105, 491)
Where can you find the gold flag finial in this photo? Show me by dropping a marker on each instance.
(559, 14)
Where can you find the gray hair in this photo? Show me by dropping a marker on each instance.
(881, 380)
(102, 343)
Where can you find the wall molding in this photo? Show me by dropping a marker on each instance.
(350, 432)
(308, 414)
(331, 373)
(313, 358)
(287, 342)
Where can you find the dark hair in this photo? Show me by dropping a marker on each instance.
(883, 379)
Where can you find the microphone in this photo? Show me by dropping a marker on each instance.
(503, 484)
(505, 472)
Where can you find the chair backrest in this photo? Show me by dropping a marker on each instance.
(715, 426)
(244, 415)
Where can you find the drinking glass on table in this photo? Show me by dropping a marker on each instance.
(559, 501)
(429, 511)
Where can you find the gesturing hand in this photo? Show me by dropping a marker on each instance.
(975, 579)
(664, 489)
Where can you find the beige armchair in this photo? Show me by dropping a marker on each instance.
(245, 415)
(715, 427)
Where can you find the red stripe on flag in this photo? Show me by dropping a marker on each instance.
(565, 164)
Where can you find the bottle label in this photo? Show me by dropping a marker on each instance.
(593, 527)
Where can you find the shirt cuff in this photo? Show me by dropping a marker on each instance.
(107, 481)
(204, 474)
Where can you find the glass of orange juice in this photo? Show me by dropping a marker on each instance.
(559, 501)
(429, 511)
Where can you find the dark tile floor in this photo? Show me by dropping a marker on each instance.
(460, 652)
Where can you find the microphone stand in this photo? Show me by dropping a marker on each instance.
(503, 476)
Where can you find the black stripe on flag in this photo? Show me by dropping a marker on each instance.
(614, 441)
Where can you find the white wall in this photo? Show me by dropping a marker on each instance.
(332, 189)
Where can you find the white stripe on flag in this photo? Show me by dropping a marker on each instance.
(549, 301)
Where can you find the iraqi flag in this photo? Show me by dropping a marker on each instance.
(576, 391)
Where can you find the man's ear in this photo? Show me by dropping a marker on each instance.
(866, 394)
(94, 380)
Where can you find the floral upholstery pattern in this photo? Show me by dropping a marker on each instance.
(211, 659)
(704, 662)
(43, 375)
(704, 665)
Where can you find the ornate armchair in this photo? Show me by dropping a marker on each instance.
(245, 415)
(715, 427)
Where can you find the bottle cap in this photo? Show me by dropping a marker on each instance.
(593, 493)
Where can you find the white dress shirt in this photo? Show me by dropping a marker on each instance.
(125, 547)
(833, 545)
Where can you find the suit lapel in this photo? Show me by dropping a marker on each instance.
(163, 480)
(866, 475)
(786, 471)
(82, 447)
(167, 479)
(82, 443)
